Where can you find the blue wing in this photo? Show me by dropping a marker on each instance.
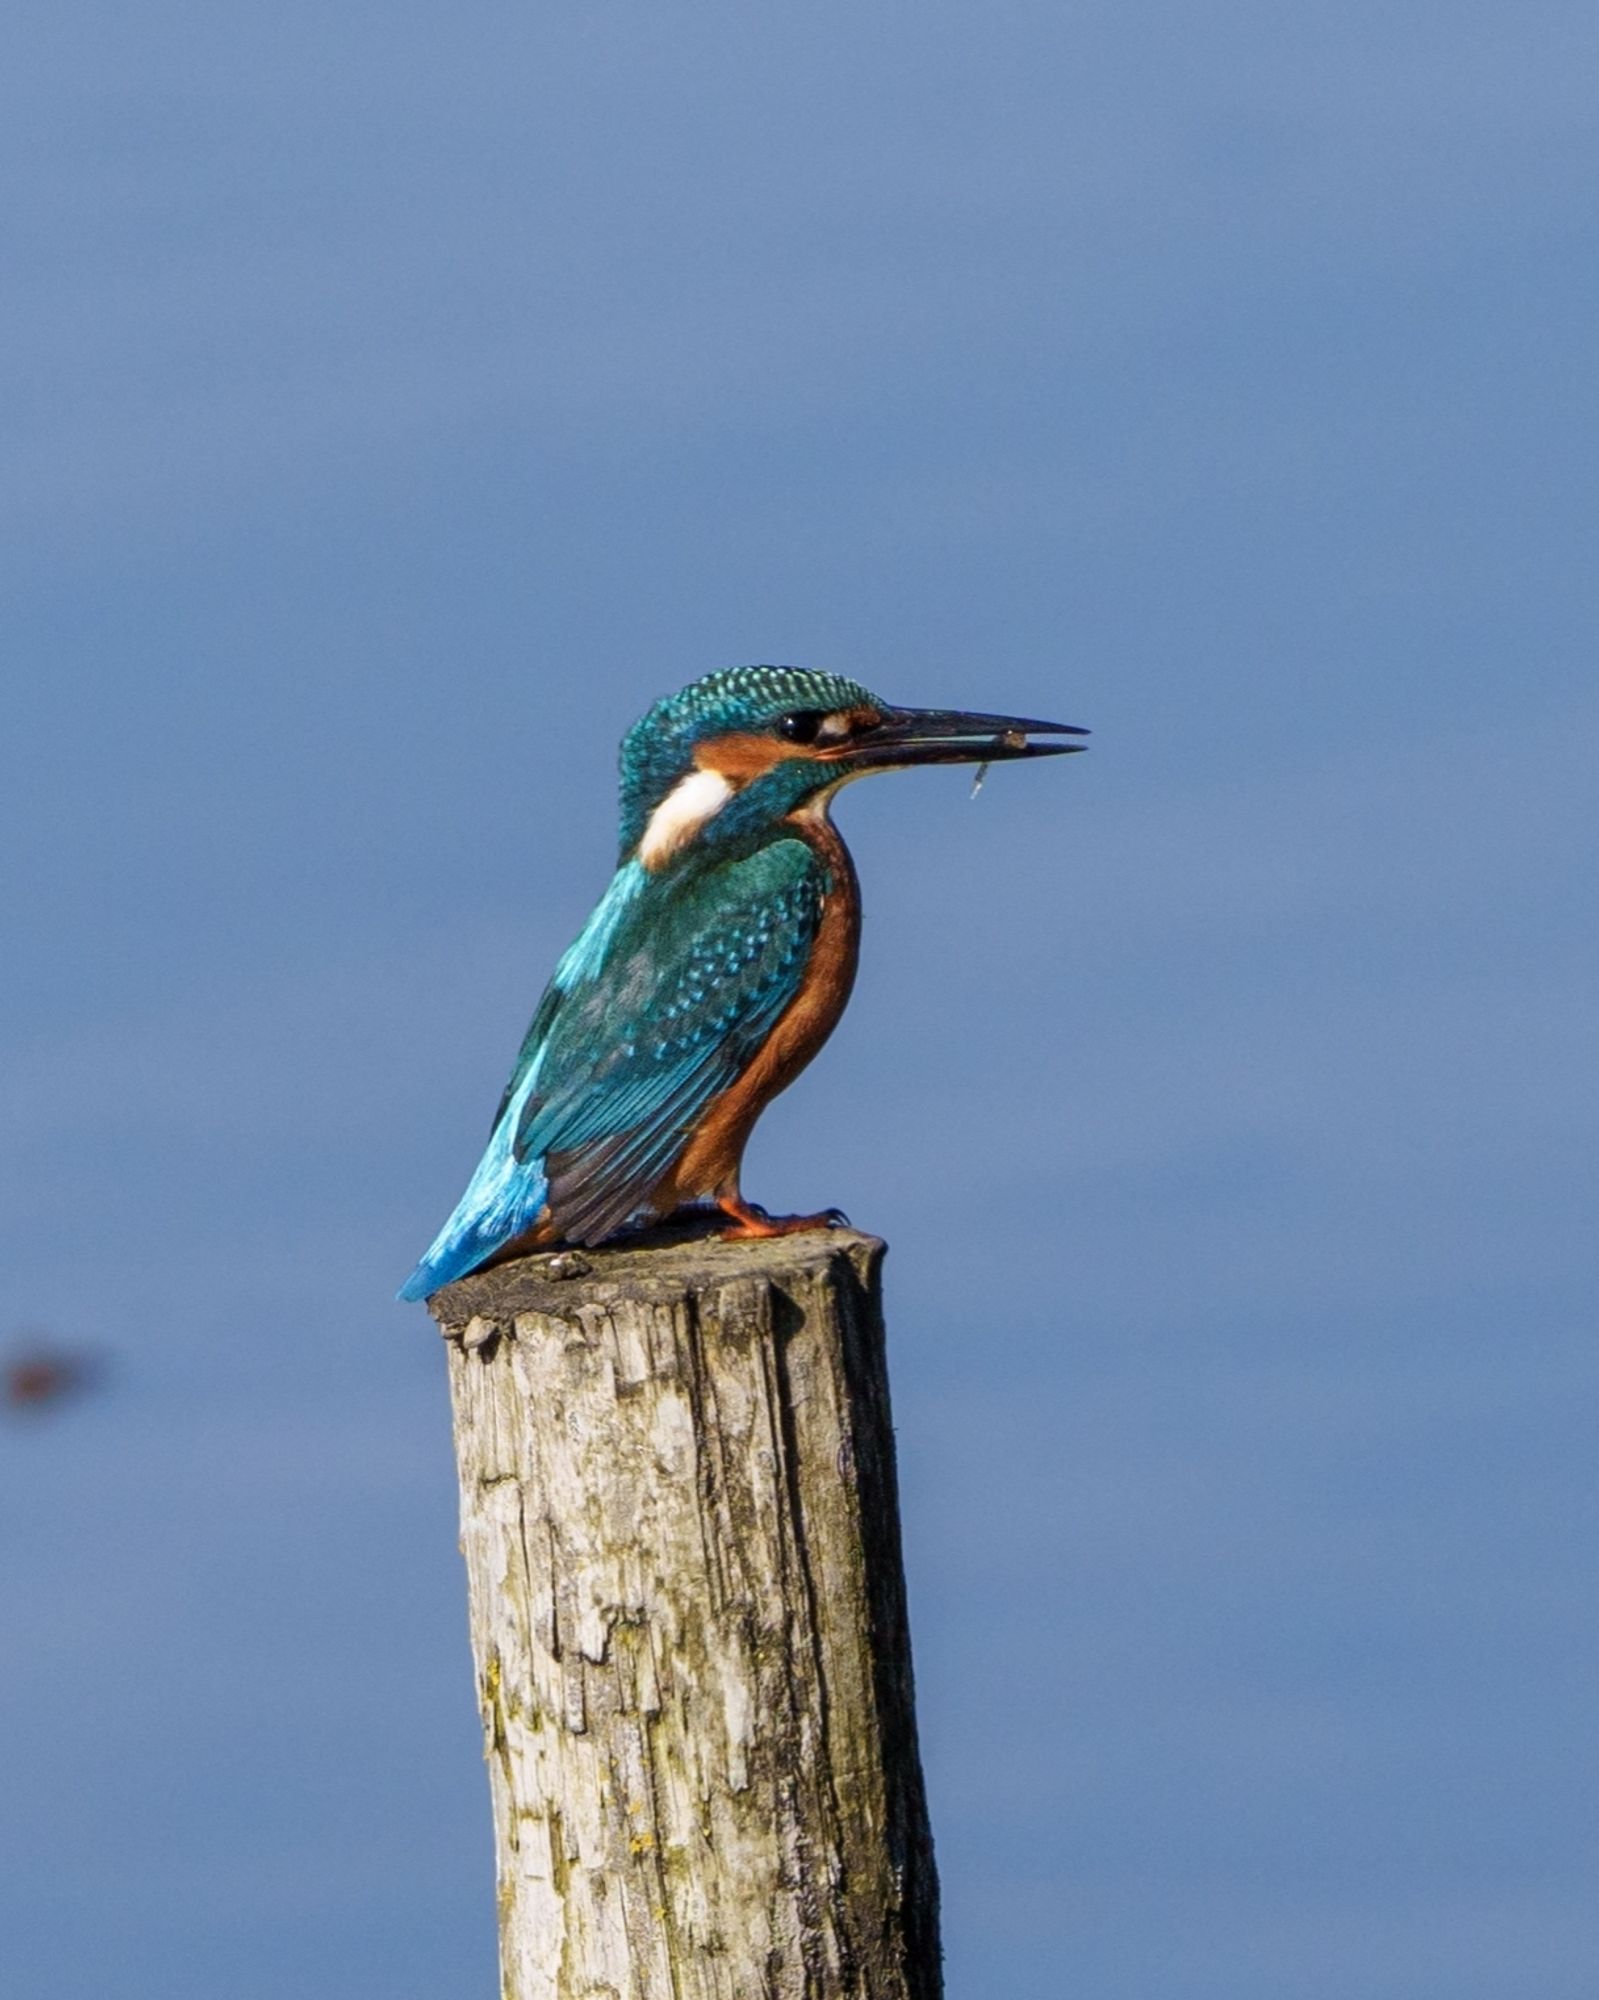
(666, 997)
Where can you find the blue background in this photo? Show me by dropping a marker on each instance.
(396, 400)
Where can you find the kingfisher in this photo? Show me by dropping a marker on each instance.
(713, 968)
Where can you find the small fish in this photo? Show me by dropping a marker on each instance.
(1011, 740)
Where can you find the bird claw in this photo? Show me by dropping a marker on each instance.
(749, 1219)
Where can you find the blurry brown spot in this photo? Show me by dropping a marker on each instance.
(33, 1380)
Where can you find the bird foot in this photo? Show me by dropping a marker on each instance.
(750, 1220)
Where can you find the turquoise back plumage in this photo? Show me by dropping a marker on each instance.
(690, 990)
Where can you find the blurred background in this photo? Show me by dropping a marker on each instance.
(396, 401)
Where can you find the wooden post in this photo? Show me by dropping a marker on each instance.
(680, 1522)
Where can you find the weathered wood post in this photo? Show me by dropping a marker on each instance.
(680, 1521)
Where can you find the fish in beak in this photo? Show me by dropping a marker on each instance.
(950, 736)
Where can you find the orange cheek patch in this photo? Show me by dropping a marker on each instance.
(741, 758)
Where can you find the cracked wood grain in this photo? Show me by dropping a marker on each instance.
(680, 1522)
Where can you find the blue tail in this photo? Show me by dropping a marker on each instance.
(444, 1263)
(505, 1198)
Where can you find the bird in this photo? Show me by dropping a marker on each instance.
(716, 964)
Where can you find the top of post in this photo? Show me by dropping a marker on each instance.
(654, 1272)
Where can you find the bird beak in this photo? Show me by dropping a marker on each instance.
(951, 736)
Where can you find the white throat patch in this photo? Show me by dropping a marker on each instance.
(689, 805)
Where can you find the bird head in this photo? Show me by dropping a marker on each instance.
(732, 753)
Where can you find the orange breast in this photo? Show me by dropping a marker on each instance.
(710, 1162)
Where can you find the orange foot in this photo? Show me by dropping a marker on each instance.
(749, 1220)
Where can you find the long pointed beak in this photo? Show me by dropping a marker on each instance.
(953, 736)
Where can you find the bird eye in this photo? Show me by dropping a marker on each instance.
(804, 725)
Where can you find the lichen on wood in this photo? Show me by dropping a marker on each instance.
(680, 1523)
